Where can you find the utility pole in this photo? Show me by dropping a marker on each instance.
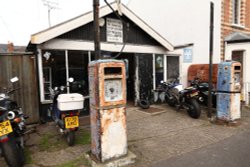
(96, 5)
(211, 39)
(51, 5)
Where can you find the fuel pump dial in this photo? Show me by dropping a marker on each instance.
(113, 90)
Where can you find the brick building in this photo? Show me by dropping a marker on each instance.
(235, 20)
(235, 37)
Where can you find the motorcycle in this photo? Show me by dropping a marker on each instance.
(178, 97)
(203, 88)
(65, 110)
(12, 128)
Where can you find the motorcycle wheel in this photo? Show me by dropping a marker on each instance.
(70, 138)
(195, 110)
(172, 102)
(13, 154)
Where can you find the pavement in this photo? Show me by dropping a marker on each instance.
(231, 152)
(157, 136)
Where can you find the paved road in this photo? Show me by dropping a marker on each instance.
(231, 152)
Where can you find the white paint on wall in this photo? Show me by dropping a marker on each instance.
(183, 22)
(246, 57)
(229, 48)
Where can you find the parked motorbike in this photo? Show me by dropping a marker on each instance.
(65, 110)
(203, 88)
(12, 128)
(178, 97)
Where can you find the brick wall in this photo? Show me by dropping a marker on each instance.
(227, 19)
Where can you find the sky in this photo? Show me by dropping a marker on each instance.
(19, 19)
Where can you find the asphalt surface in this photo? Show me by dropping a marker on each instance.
(231, 152)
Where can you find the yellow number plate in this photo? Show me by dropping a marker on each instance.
(194, 94)
(5, 128)
(71, 122)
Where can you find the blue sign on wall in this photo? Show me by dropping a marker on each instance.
(187, 55)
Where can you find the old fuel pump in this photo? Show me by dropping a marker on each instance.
(228, 87)
(107, 85)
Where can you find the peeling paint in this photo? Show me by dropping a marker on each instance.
(228, 106)
(228, 87)
(107, 80)
(137, 82)
(114, 133)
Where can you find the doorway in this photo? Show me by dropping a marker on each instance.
(173, 70)
(238, 56)
(129, 60)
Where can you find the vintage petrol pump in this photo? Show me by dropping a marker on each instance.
(107, 85)
(228, 87)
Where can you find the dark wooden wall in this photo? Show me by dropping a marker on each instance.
(132, 34)
(145, 75)
(24, 67)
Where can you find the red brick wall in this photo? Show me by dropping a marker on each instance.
(226, 20)
(247, 18)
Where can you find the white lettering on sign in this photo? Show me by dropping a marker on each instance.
(114, 30)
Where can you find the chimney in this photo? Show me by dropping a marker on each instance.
(10, 47)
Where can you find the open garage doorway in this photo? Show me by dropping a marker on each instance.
(129, 59)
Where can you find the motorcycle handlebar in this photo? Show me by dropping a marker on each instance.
(13, 90)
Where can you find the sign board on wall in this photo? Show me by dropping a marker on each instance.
(114, 30)
(188, 55)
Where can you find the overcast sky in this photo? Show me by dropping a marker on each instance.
(19, 19)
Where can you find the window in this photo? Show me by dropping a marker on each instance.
(159, 69)
(47, 81)
(57, 67)
(236, 11)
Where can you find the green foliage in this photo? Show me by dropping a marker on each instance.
(77, 162)
(27, 154)
(83, 137)
(50, 142)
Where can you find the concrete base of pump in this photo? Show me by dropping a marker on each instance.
(118, 162)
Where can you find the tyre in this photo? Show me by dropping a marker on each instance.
(70, 137)
(144, 104)
(172, 102)
(194, 111)
(13, 154)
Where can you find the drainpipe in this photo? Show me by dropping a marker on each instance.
(211, 38)
(96, 5)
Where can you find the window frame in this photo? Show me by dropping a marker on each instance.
(43, 100)
(236, 4)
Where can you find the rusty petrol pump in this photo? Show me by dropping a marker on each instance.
(107, 85)
(228, 88)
